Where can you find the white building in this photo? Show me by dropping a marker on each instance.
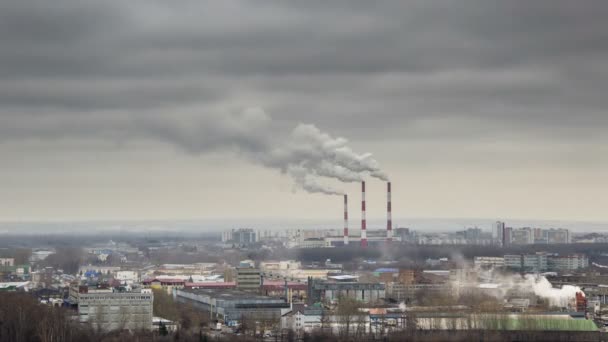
(7, 262)
(128, 277)
(488, 262)
(568, 262)
(498, 231)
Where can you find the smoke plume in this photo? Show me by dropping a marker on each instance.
(557, 296)
(305, 153)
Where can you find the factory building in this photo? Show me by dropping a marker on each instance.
(482, 262)
(535, 262)
(568, 262)
(232, 306)
(408, 292)
(344, 286)
(538, 262)
(248, 279)
(513, 261)
(107, 310)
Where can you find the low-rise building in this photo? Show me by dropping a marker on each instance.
(165, 284)
(568, 262)
(513, 261)
(331, 291)
(232, 306)
(408, 292)
(7, 262)
(535, 262)
(302, 319)
(485, 262)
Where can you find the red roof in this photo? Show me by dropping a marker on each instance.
(279, 284)
(211, 285)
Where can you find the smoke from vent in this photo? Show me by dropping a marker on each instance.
(560, 297)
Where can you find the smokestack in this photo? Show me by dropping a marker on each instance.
(345, 220)
(389, 215)
(363, 223)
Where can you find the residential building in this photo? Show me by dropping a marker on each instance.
(522, 236)
(302, 319)
(243, 236)
(558, 236)
(498, 231)
(507, 236)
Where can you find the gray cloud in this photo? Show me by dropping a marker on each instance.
(451, 74)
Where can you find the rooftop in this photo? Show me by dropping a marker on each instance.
(232, 294)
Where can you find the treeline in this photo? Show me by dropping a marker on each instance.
(23, 319)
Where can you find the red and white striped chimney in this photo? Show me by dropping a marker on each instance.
(363, 222)
(345, 219)
(389, 215)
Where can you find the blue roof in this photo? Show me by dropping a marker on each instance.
(387, 270)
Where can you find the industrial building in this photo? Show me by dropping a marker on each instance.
(408, 292)
(538, 262)
(344, 286)
(107, 310)
(233, 305)
(248, 279)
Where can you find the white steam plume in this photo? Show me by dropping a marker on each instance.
(557, 296)
(306, 154)
(308, 183)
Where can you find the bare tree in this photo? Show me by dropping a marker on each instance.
(347, 312)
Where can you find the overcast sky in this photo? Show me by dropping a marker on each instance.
(134, 109)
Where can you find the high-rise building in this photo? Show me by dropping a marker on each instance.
(507, 236)
(243, 236)
(522, 236)
(498, 231)
(558, 236)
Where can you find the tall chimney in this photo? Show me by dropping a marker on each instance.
(363, 223)
(389, 215)
(345, 219)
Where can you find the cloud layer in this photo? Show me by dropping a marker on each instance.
(434, 84)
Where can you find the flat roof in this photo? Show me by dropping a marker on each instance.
(343, 277)
(231, 294)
